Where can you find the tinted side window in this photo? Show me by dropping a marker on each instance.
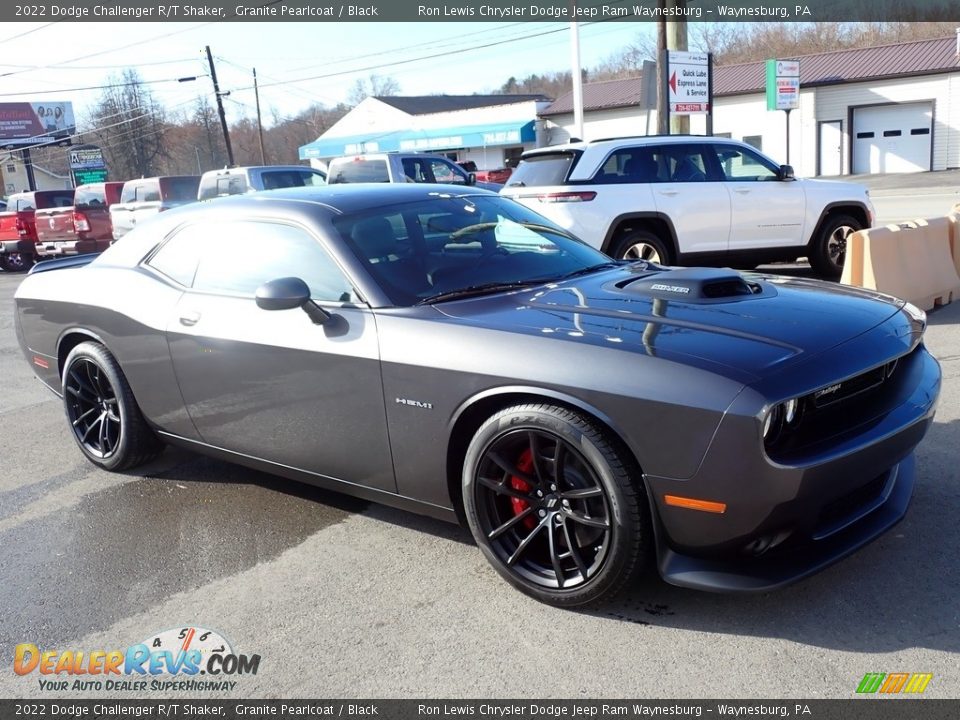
(741, 164)
(445, 173)
(148, 192)
(542, 170)
(686, 162)
(629, 165)
(238, 257)
(179, 188)
(93, 195)
(178, 257)
(354, 171)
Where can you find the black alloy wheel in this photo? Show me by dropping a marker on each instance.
(103, 414)
(830, 250)
(553, 506)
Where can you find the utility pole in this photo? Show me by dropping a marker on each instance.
(663, 98)
(256, 95)
(223, 116)
(677, 40)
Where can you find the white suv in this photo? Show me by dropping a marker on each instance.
(690, 200)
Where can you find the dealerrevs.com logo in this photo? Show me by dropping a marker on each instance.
(172, 660)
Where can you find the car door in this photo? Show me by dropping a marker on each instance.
(688, 191)
(272, 384)
(765, 211)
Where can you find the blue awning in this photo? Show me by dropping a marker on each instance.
(434, 139)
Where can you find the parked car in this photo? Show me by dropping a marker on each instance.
(142, 199)
(687, 200)
(498, 176)
(460, 356)
(18, 225)
(239, 180)
(91, 215)
(400, 168)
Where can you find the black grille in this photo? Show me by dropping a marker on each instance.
(854, 386)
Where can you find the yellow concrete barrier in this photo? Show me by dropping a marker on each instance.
(954, 219)
(912, 261)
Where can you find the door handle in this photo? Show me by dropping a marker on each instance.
(742, 191)
(668, 193)
(190, 318)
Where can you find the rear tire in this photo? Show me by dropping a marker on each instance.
(829, 250)
(16, 262)
(106, 422)
(555, 506)
(643, 245)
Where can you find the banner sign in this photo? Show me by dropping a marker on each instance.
(688, 77)
(25, 124)
(783, 84)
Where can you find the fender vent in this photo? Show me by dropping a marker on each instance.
(693, 285)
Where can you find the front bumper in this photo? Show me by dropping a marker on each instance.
(786, 521)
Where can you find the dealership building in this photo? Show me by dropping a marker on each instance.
(887, 109)
(894, 108)
(487, 129)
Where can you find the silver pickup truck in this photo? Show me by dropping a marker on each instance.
(401, 167)
(144, 198)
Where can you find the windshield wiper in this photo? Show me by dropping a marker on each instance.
(590, 269)
(482, 289)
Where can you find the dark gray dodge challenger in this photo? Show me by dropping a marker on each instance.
(459, 356)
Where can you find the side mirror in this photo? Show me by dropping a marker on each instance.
(289, 293)
(471, 178)
(786, 173)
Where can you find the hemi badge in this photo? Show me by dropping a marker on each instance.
(40, 362)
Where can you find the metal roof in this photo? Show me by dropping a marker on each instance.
(842, 66)
(429, 104)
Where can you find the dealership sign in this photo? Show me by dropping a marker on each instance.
(688, 80)
(783, 84)
(24, 124)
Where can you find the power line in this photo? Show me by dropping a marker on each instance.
(105, 87)
(28, 32)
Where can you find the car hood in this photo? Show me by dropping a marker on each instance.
(684, 315)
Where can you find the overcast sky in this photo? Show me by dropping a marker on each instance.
(49, 61)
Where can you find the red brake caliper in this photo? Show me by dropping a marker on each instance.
(525, 465)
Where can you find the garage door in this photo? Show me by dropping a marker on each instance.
(892, 138)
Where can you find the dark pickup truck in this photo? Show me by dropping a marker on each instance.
(18, 225)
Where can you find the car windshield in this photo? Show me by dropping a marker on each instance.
(542, 169)
(453, 246)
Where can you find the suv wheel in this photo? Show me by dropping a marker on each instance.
(830, 246)
(642, 245)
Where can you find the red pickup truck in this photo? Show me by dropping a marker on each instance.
(18, 225)
(83, 228)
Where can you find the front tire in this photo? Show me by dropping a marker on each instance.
(555, 506)
(830, 247)
(643, 245)
(103, 414)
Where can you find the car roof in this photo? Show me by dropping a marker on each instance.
(613, 143)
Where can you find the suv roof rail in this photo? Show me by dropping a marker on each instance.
(655, 135)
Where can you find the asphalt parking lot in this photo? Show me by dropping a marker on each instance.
(345, 599)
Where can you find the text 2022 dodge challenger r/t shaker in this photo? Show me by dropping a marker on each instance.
(460, 356)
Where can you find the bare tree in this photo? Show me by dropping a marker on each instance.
(129, 124)
(374, 86)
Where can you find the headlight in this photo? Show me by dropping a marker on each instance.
(915, 313)
(782, 415)
(790, 411)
